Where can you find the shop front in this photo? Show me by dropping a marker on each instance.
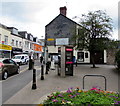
(5, 51)
(16, 51)
(37, 51)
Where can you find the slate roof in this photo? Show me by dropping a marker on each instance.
(63, 16)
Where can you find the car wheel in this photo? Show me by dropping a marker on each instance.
(18, 71)
(5, 75)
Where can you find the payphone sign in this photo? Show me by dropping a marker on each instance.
(69, 55)
(69, 49)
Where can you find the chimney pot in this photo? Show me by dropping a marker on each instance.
(63, 10)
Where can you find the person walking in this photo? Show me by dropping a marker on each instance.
(41, 59)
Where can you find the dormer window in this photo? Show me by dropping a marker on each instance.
(15, 31)
(26, 35)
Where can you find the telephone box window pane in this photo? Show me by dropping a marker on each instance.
(80, 56)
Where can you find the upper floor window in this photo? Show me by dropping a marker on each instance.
(20, 44)
(15, 31)
(12, 42)
(26, 35)
(16, 43)
(31, 38)
(30, 45)
(6, 40)
(26, 44)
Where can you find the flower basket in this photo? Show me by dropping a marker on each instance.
(92, 97)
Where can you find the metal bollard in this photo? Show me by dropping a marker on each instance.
(47, 68)
(34, 80)
(42, 72)
(30, 64)
(76, 63)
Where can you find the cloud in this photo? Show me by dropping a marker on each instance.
(33, 15)
(23, 12)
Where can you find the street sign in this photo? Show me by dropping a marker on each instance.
(62, 41)
(50, 39)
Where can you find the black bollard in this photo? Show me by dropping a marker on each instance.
(30, 64)
(58, 70)
(76, 63)
(42, 72)
(47, 68)
(34, 80)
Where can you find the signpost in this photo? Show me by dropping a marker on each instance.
(62, 41)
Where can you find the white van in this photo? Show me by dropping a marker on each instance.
(21, 59)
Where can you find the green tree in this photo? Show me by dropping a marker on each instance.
(96, 27)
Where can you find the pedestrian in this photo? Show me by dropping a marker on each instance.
(41, 59)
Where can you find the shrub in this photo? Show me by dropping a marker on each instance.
(117, 59)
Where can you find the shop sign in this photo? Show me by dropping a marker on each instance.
(5, 47)
(50, 39)
(62, 41)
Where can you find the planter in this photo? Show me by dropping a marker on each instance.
(85, 97)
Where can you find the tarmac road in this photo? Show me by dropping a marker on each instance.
(16, 82)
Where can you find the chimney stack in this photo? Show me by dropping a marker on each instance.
(63, 10)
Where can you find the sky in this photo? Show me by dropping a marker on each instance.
(33, 15)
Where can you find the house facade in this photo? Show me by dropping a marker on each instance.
(27, 43)
(13, 42)
(38, 48)
(60, 31)
(5, 42)
(16, 41)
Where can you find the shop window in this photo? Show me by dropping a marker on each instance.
(86, 55)
(80, 57)
(5, 54)
(0, 54)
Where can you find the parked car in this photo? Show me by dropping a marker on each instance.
(21, 59)
(8, 67)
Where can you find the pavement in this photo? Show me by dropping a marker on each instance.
(52, 83)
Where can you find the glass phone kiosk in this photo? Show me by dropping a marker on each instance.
(65, 66)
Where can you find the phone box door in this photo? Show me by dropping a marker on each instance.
(69, 60)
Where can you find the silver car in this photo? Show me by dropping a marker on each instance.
(8, 67)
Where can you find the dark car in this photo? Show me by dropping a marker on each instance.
(8, 67)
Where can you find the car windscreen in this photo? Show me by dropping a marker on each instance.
(17, 57)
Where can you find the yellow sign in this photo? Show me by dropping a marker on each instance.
(50, 39)
(5, 47)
